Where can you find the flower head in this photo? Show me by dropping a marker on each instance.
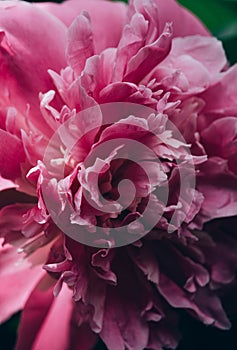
(112, 177)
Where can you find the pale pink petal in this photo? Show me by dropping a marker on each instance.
(6, 184)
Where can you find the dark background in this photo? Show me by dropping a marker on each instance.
(220, 16)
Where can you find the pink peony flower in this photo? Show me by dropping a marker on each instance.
(118, 171)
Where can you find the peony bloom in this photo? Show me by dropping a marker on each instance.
(95, 93)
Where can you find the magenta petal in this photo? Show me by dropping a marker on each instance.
(219, 138)
(11, 155)
(211, 306)
(123, 326)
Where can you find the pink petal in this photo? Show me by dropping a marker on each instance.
(220, 197)
(219, 139)
(117, 92)
(98, 72)
(11, 218)
(18, 279)
(47, 321)
(184, 22)
(206, 50)
(55, 330)
(225, 89)
(35, 312)
(148, 57)
(32, 41)
(194, 63)
(107, 18)
(80, 43)
(132, 40)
